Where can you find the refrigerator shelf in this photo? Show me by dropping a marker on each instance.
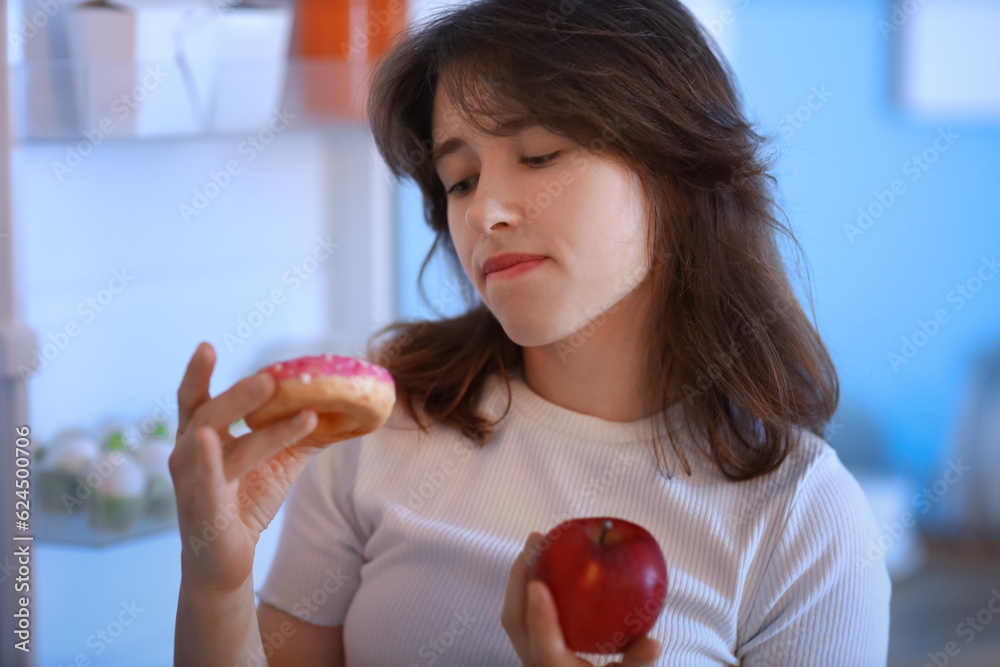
(77, 528)
(95, 101)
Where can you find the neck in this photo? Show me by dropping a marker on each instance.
(598, 371)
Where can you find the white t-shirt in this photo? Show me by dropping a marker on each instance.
(406, 539)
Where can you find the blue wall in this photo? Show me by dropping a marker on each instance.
(871, 289)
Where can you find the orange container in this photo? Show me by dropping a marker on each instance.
(322, 25)
(337, 42)
(385, 19)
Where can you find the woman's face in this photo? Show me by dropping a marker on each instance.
(539, 193)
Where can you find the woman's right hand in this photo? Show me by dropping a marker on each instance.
(531, 620)
(229, 489)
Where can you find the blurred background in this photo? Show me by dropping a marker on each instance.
(201, 170)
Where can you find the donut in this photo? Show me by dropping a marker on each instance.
(351, 397)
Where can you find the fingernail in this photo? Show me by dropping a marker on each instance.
(533, 595)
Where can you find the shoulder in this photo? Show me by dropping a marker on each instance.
(821, 568)
(820, 477)
(825, 505)
(811, 480)
(811, 467)
(810, 505)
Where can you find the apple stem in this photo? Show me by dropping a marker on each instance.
(607, 527)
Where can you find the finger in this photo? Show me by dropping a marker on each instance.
(193, 390)
(243, 454)
(512, 617)
(544, 634)
(234, 403)
(643, 652)
(515, 599)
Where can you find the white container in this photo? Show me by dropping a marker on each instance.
(72, 451)
(68, 459)
(251, 62)
(154, 457)
(138, 72)
(120, 497)
(167, 67)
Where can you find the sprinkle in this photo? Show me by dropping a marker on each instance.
(329, 364)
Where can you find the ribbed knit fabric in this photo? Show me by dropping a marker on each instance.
(406, 539)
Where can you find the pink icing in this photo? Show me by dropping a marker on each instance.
(327, 364)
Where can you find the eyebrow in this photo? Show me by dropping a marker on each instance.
(449, 146)
(515, 125)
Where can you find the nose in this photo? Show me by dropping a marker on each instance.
(493, 206)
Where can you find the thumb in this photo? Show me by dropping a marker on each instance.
(643, 652)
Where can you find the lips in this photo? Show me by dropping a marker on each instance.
(501, 262)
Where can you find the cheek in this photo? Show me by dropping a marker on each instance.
(460, 234)
(614, 234)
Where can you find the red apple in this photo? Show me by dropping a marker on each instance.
(608, 578)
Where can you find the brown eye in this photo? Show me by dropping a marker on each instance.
(455, 188)
(545, 159)
(461, 188)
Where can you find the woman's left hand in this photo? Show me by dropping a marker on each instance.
(530, 618)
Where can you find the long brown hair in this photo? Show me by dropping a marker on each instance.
(644, 83)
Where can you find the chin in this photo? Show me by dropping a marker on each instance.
(535, 330)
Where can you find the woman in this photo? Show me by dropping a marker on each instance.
(636, 351)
